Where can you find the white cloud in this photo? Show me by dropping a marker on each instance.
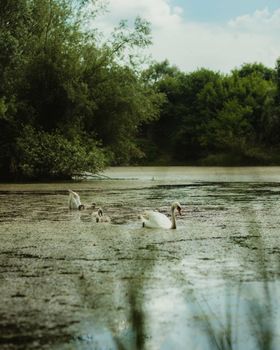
(191, 45)
(260, 21)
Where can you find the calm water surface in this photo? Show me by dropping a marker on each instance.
(70, 283)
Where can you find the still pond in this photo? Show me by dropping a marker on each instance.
(68, 282)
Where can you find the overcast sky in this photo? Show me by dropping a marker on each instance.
(215, 34)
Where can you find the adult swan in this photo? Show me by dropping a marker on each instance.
(74, 201)
(154, 219)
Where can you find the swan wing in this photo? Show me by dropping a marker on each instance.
(105, 219)
(155, 219)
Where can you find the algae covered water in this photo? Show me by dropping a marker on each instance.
(71, 283)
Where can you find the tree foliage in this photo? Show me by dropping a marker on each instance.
(63, 90)
(70, 102)
(212, 118)
(42, 154)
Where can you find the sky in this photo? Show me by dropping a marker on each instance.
(216, 34)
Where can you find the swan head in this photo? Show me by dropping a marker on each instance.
(177, 205)
(81, 207)
(99, 214)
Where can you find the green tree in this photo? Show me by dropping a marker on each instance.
(211, 117)
(44, 155)
(271, 115)
(62, 83)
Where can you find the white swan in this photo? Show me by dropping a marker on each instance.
(153, 219)
(102, 218)
(74, 201)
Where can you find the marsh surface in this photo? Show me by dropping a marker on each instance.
(70, 283)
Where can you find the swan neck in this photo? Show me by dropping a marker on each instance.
(173, 218)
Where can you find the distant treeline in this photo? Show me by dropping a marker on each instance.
(72, 102)
(209, 118)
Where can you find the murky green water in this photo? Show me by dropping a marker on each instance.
(70, 283)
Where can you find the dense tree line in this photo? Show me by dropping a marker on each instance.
(71, 103)
(211, 118)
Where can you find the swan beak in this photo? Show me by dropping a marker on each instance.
(179, 210)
